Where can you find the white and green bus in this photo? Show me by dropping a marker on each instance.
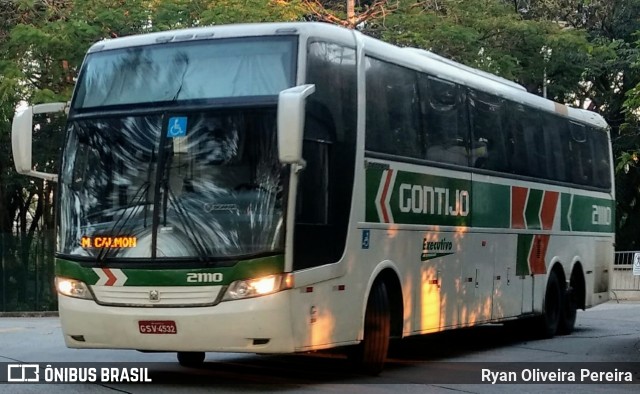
(279, 188)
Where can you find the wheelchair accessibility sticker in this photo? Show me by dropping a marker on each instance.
(177, 127)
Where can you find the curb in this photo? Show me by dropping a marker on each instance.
(29, 314)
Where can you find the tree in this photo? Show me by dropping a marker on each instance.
(345, 13)
(42, 45)
(491, 36)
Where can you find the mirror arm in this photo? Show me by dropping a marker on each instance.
(299, 166)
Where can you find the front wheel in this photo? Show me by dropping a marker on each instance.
(191, 359)
(369, 356)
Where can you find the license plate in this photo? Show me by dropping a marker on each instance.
(157, 327)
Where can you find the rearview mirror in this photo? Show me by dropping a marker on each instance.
(291, 103)
(21, 138)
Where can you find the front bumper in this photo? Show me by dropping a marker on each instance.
(255, 325)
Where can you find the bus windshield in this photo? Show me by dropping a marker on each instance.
(204, 69)
(134, 187)
(181, 176)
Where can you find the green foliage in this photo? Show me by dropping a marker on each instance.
(42, 46)
(491, 36)
(248, 11)
(632, 102)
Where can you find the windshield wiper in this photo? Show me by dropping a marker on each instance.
(184, 72)
(187, 222)
(135, 202)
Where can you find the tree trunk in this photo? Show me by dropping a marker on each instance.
(351, 13)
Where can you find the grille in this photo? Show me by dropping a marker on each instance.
(156, 296)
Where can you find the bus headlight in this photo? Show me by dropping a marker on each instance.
(73, 288)
(257, 287)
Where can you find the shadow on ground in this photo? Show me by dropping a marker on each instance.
(429, 353)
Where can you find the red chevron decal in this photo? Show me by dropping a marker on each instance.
(112, 278)
(548, 210)
(518, 201)
(538, 254)
(383, 197)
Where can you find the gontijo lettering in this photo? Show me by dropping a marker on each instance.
(431, 200)
(108, 242)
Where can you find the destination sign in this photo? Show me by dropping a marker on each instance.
(108, 242)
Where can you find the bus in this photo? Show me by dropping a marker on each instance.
(293, 187)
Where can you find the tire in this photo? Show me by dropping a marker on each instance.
(191, 359)
(369, 356)
(569, 311)
(549, 322)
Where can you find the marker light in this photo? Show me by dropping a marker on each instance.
(73, 288)
(257, 287)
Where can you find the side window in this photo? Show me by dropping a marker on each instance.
(326, 184)
(556, 134)
(312, 206)
(489, 148)
(601, 164)
(445, 126)
(330, 119)
(529, 145)
(579, 153)
(392, 116)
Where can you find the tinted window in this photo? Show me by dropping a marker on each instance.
(434, 122)
(555, 130)
(201, 69)
(446, 130)
(392, 110)
(579, 154)
(326, 184)
(601, 164)
(490, 148)
(529, 145)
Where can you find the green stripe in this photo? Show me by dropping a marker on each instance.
(73, 270)
(373, 178)
(522, 257)
(532, 210)
(254, 268)
(585, 214)
(490, 205)
(565, 203)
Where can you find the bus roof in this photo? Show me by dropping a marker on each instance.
(414, 58)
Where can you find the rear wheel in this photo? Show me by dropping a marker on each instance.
(369, 356)
(553, 304)
(569, 311)
(191, 359)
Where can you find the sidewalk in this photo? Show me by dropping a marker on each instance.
(624, 295)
